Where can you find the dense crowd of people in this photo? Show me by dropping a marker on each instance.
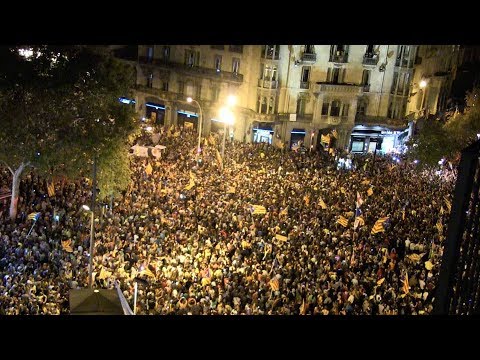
(189, 230)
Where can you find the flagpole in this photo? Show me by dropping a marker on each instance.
(34, 222)
(135, 299)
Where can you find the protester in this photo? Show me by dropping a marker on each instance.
(204, 251)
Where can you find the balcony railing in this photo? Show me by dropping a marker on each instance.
(269, 55)
(404, 63)
(339, 58)
(338, 88)
(370, 60)
(193, 70)
(267, 84)
(309, 57)
(304, 84)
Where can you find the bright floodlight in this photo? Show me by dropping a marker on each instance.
(96, 291)
(226, 115)
(86, 207)
(423, 83)
(231, 100)
(189, 99)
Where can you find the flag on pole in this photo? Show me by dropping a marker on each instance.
(342, 221)
(448, 203)
(325, 139)
(359, 201)
(439, 227)
(231, 190)
(322, 203)
(303, 308)
(34, 216)
(51, 189)
(67, 245)
(274, 284)
(219, 159)
(406, 287)
(258, 209)
(359, 221)
(334, 133)
(148, 169)
(306, 198)
(378, 227)
(281, 237)
(370, 191)
(284, 211)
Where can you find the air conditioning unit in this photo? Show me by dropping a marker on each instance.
(293, 117)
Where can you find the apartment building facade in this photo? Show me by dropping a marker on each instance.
(295, 93)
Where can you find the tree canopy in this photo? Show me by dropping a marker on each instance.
(445, 139)
(59, 109)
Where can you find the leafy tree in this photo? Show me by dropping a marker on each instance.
(59, 110)
(445, 139)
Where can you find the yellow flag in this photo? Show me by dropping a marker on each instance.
(370, 192)
(322, 203)
(281, 237)
(67, 245)
(51, 189)
(306, 198)
(284, 211)
(149, 169)
(259, 209)
(342, 221)
(231, 190)
(365, 182)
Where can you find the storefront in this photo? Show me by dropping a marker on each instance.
(155, 113)
(365, 139)
(297, 137)
(263, 133)
(187, 119)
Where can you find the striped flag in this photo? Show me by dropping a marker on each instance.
(334, 133)
(331, 151)
(104, 274)
(281, 237)
(439, 227)
(406, 287)
(378, 227)
(147, 272)
(284, 211)
(322, 203)
(365, 182)
(259, 209)
(448, 203)
(325, 139)
(359, 201)
(342, 221)
(274, 284)
(306, 198)
(359, 221)
(67, 245)
(442, 211)
(33, 216)
(51, 189)
(303, 308)
(219, 159)
(231, 190)
(370, 192)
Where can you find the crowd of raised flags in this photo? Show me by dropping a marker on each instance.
(262, 231)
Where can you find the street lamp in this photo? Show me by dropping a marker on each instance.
(90, 260)
(423, 84)
(200, 123)
(226, 116)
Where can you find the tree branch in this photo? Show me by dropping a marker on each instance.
(9, 168)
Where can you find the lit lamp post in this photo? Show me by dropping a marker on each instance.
(200, 123)
(423, 85)
(226, 116)
(90, 261)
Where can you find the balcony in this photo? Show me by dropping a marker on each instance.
(309, 57)
(193, 70)
(370, 60)
(352, 89)
(304, 84)
(267, 84)
(403, 63)
(339, 57)
(367, 120)
(269, 55)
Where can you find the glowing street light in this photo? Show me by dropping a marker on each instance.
(226, 116)
(422, 84)
(200, 125)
